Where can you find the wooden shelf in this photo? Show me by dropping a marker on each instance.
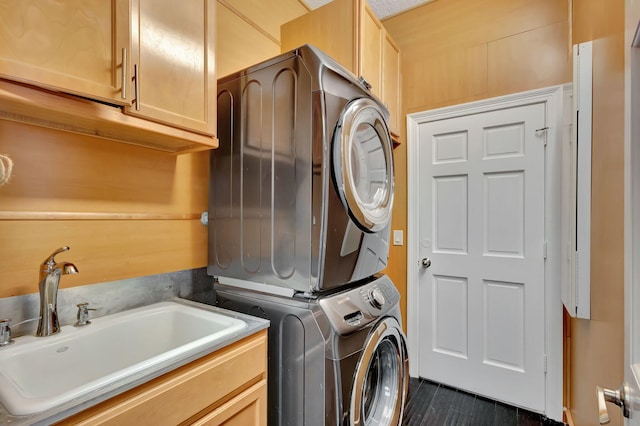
(69, 113)
(32, 215)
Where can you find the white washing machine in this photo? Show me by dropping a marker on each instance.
(333, 360)
(301, 186)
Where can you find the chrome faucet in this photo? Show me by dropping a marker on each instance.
(50, 273)
(5, 332)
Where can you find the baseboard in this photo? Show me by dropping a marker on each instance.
(568, 418)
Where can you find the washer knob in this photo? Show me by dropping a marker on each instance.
(376, 298)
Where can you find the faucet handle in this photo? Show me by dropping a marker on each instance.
(50, 260)
(83, 314)
(5, 332)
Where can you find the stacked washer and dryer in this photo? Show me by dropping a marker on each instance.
(299, 221)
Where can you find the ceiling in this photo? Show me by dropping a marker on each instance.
(382, 8)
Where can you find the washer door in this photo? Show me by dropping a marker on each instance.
(363, 164)
(381, 378)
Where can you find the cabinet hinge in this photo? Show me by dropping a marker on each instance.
(545, 363)
(544, 250)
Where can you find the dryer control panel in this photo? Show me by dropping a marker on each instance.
(353, 309)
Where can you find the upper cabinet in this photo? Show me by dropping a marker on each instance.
(370, 54)
(151, 59)
(77, 46)
(391, 84)
(349, 32)
(173, 63)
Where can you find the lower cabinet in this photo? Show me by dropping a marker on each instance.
(248, 408)
(227, 387)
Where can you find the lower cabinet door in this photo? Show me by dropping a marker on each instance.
(247, 409)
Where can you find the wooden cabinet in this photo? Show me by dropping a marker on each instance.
(392, 85)
(227, 387)
(173, 63)
(349, 32)
(76, 46)
(149, 58)
(248, 408)
(370, 52)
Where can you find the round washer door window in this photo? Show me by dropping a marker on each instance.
(363, 164)
(381, 378)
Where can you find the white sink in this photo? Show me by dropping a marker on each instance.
(40, 373)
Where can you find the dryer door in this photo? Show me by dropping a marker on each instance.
(381, 379)
(363, 164)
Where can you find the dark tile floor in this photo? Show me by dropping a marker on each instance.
(429, 403)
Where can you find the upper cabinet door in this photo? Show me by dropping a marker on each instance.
(173, 63)
(331, 28)
(391, 87)
(371, 34)
(349, 32)
(75, 46)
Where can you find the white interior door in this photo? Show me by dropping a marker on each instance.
(481, 223)
(632, 217)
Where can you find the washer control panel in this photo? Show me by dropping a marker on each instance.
(376, 298)
(353, 309)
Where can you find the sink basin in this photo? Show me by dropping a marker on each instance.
(40, 373)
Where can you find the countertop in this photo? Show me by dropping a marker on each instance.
(81, 403)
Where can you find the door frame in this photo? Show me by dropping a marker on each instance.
(552, 97)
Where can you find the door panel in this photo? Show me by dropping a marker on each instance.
(173, 63)
(481, 223)
(371, 50)
(391, 82)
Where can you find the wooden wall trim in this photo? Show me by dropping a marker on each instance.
(24, 215)
(249, 21)
(568, 417)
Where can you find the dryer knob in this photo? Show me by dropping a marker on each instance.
(376, 298)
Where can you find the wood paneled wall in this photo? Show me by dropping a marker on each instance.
(457, 51)
(597, 345)
(125, 211)
(249, 31)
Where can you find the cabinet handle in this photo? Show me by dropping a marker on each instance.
(124, 73)
(136, 78)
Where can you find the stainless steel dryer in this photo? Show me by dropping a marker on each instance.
(302, 184)
(333, 360)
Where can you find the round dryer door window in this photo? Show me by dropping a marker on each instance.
(363, 164)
